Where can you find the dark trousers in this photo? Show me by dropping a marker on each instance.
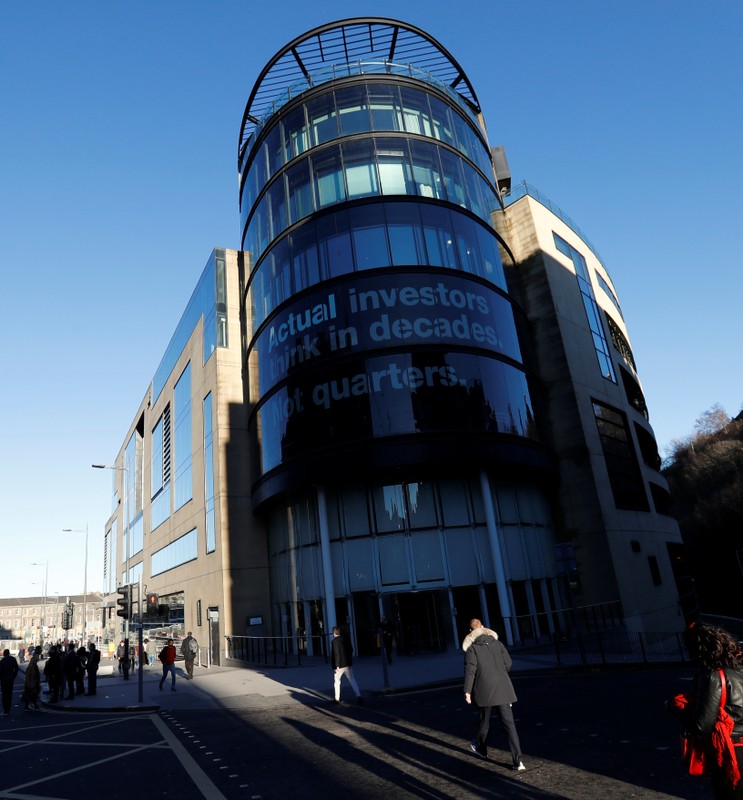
(92, 681)
(509, 726)
(7, 692)
(70, 687)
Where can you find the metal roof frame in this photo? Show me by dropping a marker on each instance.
(347, 41)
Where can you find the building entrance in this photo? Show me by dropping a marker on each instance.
(422, 622)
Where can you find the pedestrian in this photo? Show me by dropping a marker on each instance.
(94, 660)
(717, 695)
(8, 672)
(120, 653)
(341, 659)
(32, 683)
(167, 657)
(150, 649)
(82, 663)
(487, 684)
(388, 638)
(53, 673)
(70, 671)
(22, 655)
(189, 649)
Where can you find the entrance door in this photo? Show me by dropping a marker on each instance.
(422, 626)
(366, 617)
(467, 606)
(212, 616)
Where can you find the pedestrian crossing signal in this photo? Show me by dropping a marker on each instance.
(152, 603)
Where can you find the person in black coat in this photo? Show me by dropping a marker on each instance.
(486, 683)
(70, 671)
(8, 672)
(341, 659)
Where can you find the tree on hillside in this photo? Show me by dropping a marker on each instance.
(706, 483)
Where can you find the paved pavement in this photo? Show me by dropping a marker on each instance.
(260, 686)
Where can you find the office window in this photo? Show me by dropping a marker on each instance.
(621, 461)
(589, 304)
(160, 470)
(174, 554)
(211, 535)
(183, 491)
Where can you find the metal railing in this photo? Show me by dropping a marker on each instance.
(273, 651)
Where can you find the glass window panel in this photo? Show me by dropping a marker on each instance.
(322, 118)
(491, 265)
(328, 178)
(421, 505)
(355, 512)
(394, 167)
(467, 244)
(300, 190)
(453, 177)
(353, 110)
(475, 194)
(384, 106)
(305, 257)
(389, 507)
(441, 115)
(439, 236)
(405, 233)
(464, 135)
(361, 169)
(360, 565)
(454, 503)
(427, 170)
(336, 255)
(369, 237)
(428, 561)
(258, 174)
(393, 560)
(277, 201)
(274, 150)
(296, 133)
(416, 112)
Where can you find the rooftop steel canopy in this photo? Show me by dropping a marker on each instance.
(345, 42)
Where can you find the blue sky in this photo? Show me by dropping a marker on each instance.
(118, 135)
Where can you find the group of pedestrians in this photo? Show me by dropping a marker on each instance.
(65, 669)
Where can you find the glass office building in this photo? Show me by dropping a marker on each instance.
(400, 463)
(410, 396)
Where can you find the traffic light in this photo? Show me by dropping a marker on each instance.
(66, 621)
(152, 603)
(125, 601)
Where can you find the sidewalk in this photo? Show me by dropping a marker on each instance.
(258, 686)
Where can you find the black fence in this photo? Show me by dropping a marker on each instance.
(272, 651)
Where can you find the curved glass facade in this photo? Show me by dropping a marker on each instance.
(395, 233)
(383, 352)
(382, 396)
(360, 108)
(372, 167)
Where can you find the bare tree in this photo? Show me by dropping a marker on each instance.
(713, 420)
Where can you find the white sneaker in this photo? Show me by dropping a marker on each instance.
(519, 767)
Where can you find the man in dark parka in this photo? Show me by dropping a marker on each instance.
(486, 682)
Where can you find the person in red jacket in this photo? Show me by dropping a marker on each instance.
(167, 657)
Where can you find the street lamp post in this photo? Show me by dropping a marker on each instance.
(43, 606)
(85, 580)
(125, 526)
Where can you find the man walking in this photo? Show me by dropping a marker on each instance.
(8, 671)
(486, 682)
(189, 649)
(167, 657)
(93, 662)
(341, 660)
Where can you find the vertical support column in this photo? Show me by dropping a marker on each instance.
(327, 563)
(496, 553)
